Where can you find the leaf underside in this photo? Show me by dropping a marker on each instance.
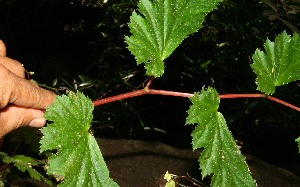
(220, 155)
(161, 26)
(279, 64)
(78, 160)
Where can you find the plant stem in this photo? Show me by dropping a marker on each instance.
(149, 82)
(146, 91)
(283, 103)
(233, 96)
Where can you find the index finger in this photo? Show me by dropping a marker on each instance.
(22, 92)
(2, 49)
(12, 65)
(29, 94)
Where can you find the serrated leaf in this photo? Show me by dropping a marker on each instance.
(279, 64)
(24, 163)
(78, 160)
(220, 155)
(161, 27)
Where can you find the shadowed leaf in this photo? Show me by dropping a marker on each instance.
(24, 163)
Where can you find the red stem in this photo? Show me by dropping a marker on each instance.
(232, 96)
(187, 95)
(149, 82)
(283, 103)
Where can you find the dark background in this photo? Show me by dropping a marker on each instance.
(79, 45)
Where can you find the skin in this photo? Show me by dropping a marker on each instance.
(21, 101)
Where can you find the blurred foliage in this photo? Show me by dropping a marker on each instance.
(283, 10)
(91, 3)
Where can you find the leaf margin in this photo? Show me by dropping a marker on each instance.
(215, 164)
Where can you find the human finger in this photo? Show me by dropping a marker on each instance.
(13, 117)
(13, 66)
(29, 94)
(2, 49)
(21, 92)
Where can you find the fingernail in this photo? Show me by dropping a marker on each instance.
(38, 122)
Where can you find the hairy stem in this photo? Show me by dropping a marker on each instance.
(187, 95)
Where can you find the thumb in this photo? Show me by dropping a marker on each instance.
(13, 117)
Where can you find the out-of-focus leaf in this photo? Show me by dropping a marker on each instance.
(270, 14)
(293, 9)
(24, 163)
(290, 25)
(271, 4)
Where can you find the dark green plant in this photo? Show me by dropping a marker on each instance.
(157, 30)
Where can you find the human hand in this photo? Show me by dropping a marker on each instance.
(21, 101)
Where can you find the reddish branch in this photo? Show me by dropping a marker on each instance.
(283, 103)
(146, 91)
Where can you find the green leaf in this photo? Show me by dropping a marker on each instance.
(161, 27)
(279, 64)
(298, 141)
(78, 160)
(220, 155)
(24, 163)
